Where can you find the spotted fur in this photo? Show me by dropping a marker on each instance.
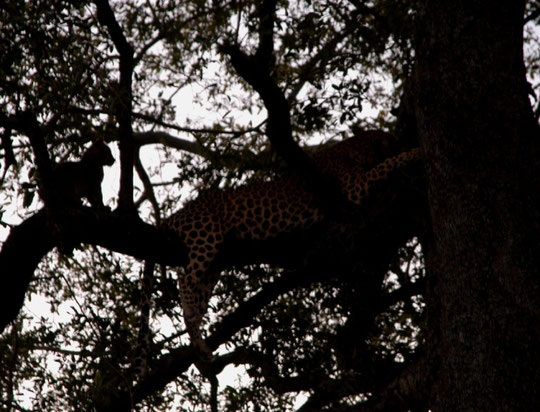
(265, 209)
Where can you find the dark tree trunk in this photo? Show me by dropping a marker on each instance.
(482, 156)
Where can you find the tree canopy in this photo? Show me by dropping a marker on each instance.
(426, 297)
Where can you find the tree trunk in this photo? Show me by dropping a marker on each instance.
(481, 147)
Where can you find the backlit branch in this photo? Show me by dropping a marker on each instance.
(29, 242)
(27, 123)
(124, 103)
(257, 70)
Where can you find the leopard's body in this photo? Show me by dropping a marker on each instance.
(265, 209)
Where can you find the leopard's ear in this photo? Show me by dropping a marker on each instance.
(357, 130)
(92, 135)
(96, 137)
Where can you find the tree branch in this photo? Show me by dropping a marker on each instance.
(265, 49)
(394, 387)
(173, 364)
(154, 120)
(256, 70)
(408, 391)
(123, 105)
(9, 155)
(245, 313)
(158, 137)
(148, 189)
(29, 242)
(305, 71)
(166, 29)
(235, 133)
(327, 51)
(27, 123)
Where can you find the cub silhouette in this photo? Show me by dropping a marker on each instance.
(73, 181)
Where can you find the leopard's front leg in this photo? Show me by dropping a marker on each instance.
(196, 288)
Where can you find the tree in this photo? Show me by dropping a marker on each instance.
(346, 313)
(481, 144)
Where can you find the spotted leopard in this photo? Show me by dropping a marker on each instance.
(265, 209)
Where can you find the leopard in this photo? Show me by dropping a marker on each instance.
(265, 209)
(71, 182)
(74, 180)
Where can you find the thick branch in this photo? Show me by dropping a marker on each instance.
(395, 387)
(265, 49)
(408, 391)
(21, 253)
(256, 71)
(279, 129)
(29, 242)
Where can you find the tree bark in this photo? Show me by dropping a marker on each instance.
(481, 148)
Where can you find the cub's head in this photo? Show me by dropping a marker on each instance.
(98, 153)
